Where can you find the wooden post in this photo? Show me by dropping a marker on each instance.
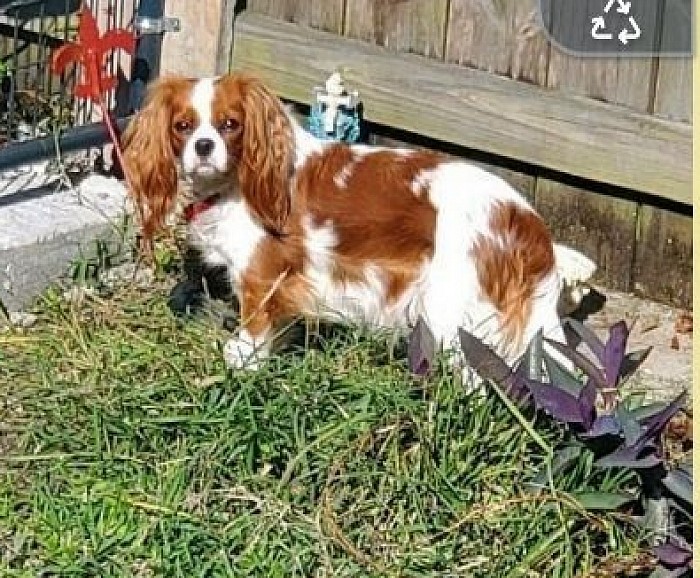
(202, 47)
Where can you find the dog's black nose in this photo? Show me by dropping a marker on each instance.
(203, 147)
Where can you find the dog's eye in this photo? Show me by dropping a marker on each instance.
(230, 124)
(183, 126)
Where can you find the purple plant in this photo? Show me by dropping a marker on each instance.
(675, 558)
(590, 402)
(421, 349)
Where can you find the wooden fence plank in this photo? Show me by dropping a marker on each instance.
(674, 89)
(618, 80)
(281, 9)
(194, 51)
(674, 83)
(500, 36)
(663, 265)
(406, 25)
(225, 45)
(324, 15)
(328, 15)
(475, 109)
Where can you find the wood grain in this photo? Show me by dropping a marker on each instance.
(663, 265)
(674, 83)
(281, 9)
(321, 14)
(193, 51)
(405, 25)
(674, 89)
(225, 47)
(500, 36)
(618, 80)
(475, 109)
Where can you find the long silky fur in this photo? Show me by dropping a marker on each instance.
(266, 157)
(149, 157)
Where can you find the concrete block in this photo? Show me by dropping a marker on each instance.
(42, 231)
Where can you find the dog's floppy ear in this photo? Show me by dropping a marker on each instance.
(267, 155)
(149, 158)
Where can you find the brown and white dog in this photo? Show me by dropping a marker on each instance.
(308, 227)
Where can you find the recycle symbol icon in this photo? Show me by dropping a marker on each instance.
(599, 32)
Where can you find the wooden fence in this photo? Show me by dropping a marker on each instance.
(601, 146)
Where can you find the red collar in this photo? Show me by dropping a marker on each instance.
(198, 207)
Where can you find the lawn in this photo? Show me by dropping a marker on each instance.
(128, 449)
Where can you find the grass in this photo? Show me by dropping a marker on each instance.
(127, 449)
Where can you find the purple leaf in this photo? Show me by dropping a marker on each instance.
(560, 377)
(680, 484)
(632, 361)
(531, 363)
(489, 366)
(480, 357)
(628, 458)
(588, 336)
(515, 385)
(673, 556)
(586, 401)
(603, 425)
(631, 428)
(421, 349)
(656, 423)
(556, 402)
(645, 412)
(580, 361)
(614, 352)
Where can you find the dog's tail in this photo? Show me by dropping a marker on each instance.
(575, 271)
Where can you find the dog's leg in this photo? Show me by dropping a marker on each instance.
(247, 350)
(188, 295)
(441, 313)
(262, 305)
(252, 343)
(201, 282)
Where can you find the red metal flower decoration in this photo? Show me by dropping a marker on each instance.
(90, 51)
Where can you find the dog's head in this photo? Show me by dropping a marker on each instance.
(213, 132)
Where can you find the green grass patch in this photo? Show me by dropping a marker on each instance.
(128, 449)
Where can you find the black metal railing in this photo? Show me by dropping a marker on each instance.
(38, 115)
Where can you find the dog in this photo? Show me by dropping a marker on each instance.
(307, 227)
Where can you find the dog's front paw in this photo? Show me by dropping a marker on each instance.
(241, 353)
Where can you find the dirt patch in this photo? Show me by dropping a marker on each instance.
(669, 369)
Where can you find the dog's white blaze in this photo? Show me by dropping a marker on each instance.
(202, 100)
